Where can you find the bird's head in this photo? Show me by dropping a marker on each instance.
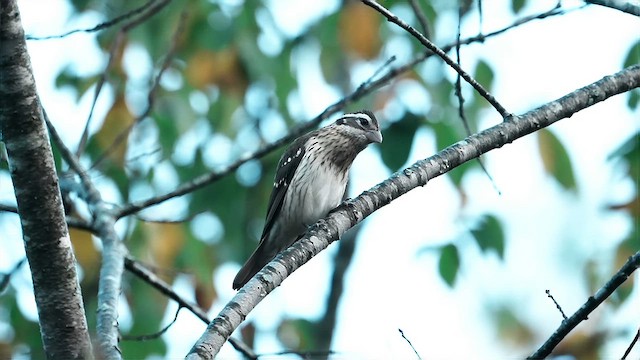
(362, 125)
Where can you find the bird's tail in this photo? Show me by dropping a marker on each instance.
(255, 263)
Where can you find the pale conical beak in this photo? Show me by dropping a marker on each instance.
(374, 136)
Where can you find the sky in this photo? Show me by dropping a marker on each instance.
(393, 282)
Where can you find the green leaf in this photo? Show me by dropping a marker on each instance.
(634, 99)
(633, 57)
(398, 139)
(556, 159)
(484, 74)
(490, 236)
(449, 264)
(517, 5)
(447, 135)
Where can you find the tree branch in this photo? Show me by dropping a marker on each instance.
(591, 304)
(354, 211)
(63, 325)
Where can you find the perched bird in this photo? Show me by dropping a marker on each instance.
(311, 180)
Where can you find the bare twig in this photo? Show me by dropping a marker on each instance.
(327, 230)
(422, 18)
(151, 96)
(9, 208)
(5, 278)
(155, 335)
(460, 97)
(633, 343)
(591, 304)
(101, 26)
(146, 13)
(429, 45)
(410, 344)
(139, 270)
(548, 292)
(72, 221)
(458, 82)
(167, 221)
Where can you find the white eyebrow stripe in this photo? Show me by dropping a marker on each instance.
(358, 116)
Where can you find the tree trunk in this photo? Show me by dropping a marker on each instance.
(63, 324)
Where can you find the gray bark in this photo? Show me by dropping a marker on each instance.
(63, 324)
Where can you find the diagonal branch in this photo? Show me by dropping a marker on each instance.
(354, 211)
(592, 303)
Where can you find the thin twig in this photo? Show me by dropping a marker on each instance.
(564, 316)
(151, 96)
(591, 304)
(72, 221)
(460, 97)
(410, 344)
(9, 208)
(5, 278)
(117, 44)
(633, 343)
(153, 336)
(104, 25)
(168, 221)
(422, 18)
(429, 45)
(139, 270)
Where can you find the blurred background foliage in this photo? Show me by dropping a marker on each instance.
(233, 85)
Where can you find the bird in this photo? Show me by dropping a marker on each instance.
(310, 181)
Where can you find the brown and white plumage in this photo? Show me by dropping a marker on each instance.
(310, 181)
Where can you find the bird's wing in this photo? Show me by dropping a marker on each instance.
(286, 169)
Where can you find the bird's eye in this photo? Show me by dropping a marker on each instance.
(363, 122)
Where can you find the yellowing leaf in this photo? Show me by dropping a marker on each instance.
(85, 251)
(556, 159)
(358, 30)
(164, 242)
(205, 294)
(222, 68)
(118, 119)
